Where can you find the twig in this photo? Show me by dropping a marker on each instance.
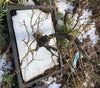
(24, 57)
(27, 32)
(8, 48)
(13, 76)
(29, 47)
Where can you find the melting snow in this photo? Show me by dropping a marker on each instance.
(64, 6)
(92, 84)
(83, 20)
(51, 81)
(4, 66)
(54, 85)
(91, 29)
(29, 2)
(85, 84)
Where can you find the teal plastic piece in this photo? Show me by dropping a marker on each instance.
(75, 61)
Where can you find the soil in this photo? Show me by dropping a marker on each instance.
(94, 65)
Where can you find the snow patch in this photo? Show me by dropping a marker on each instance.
(54, 85)
(29, 2)
(92, 85)
(85, 84)
(60, 22)
(84, 19)
(51, 81)
(89, 30)
(4, 66)
(64, 6)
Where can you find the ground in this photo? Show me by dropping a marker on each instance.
(87, 68)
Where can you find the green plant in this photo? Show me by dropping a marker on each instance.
(37, 2)
(68, 27)
(4, 37)
(6, 79)
(3, 4)
(62, 42)
(2, 11)
(59, 15)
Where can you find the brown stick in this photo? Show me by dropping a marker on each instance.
(27, 31)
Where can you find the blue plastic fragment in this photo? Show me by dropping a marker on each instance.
(75, 61)
(72, 69)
